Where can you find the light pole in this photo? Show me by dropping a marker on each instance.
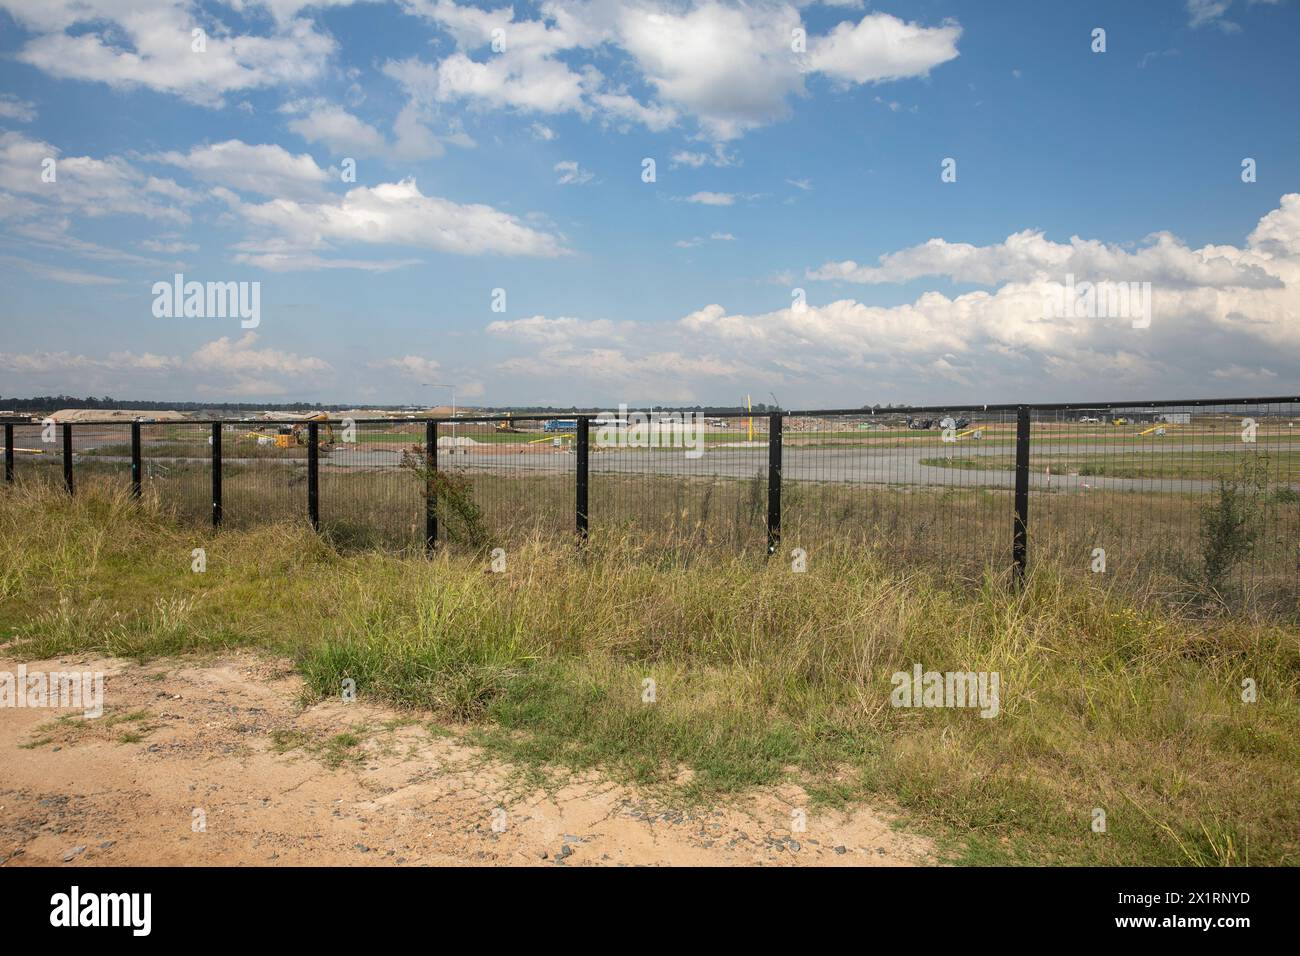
(453, 409)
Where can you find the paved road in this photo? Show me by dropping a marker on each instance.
(881, 464)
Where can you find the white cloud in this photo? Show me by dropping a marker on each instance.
(297, 234)
(1164, 260)
(42, 363)
(169, 246)
(11, 107)
(343, 133)
(147, 43)
(240, 358)
(89, 186)
(719, 157)
(57, 274)
(880, 48)
(414, 137)
(1237, 326)
(224, 367)
(1237, 373)
(269, 170)
(410, 366)
(571, 174)
(1203, 12)
(623, 108)
(712, 199)
(41, 212)
(1221, 307)
(538, 328)
(730, 67)
(699, 240)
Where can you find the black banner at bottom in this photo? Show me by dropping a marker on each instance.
(304, 905)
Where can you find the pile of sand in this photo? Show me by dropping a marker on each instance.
(115, 415)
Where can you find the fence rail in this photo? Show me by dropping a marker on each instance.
(1164, 489)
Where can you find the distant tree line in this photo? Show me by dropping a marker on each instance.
(42, 403)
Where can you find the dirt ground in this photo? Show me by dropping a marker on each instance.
(217, 762)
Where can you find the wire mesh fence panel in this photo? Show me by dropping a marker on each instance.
(934, 488)
(681, 483)
(1180, 500)
(263, 474)
(101, 454)
(176, 468)
(1185, 501)
(518, 477)
(38, 455)
(370, 487)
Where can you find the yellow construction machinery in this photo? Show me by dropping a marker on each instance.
(297, 433)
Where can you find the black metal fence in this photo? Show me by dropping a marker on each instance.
(1182, 493)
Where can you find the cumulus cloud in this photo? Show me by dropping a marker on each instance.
(11, 107)
(223, 366)
(729, 67)
(879, 48)
(269, 170)
(1220, 307)
(241, 358)
(1229, 314)
(294, 234)
(1163, 260)
(565, 329)
(43, 363)
(85, 185)
(712, 199)
(410, 366)
(148, 43)
(332, 125)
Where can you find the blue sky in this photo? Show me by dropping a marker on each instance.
(777, 169)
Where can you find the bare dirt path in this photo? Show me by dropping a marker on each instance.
(216, 762)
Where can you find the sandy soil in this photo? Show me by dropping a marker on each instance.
(217, 762)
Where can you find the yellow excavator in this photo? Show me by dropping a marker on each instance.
(287, 436)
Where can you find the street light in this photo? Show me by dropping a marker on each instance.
(453, 409)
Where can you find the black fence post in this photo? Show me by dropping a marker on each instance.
(774, 427)
(1020, 536)
(9, 453)
(135, 460)
(580, 482)
(313, 474)
(216, 474)
(67, 456)
(431, 490)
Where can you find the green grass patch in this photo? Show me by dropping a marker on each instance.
(1110, 699)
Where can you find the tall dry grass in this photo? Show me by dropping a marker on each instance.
(1108, 699)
